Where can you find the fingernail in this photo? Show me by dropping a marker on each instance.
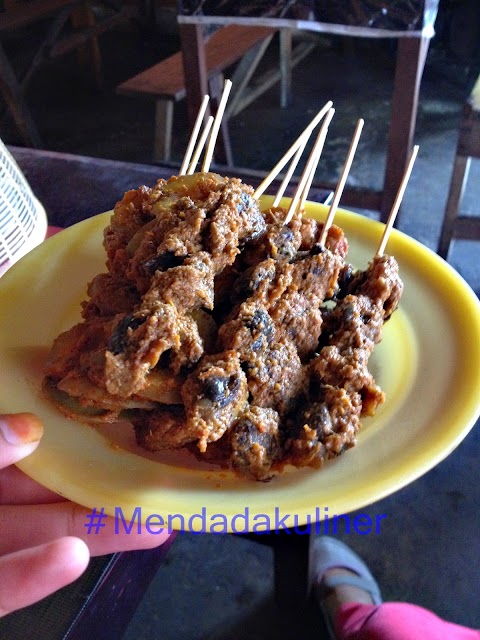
(21, 428)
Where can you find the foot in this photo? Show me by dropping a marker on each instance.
(343, 592)
(340, 576)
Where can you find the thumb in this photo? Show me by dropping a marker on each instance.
(20, 434)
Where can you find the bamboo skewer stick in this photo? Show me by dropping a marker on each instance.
(194, 135)
(291, 151)
(396, 204)
(342, 181)
(289, 173)
(201, 144)
(216, 125)
(315, 153)
(308, 184)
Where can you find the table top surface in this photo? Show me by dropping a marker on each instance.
(356, 17)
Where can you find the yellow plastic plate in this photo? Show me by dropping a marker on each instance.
(428, 364)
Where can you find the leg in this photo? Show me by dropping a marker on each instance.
(162, 145)
(396, 621)
(411, 56)
(194, 67)
(350, 600)
(457, 187)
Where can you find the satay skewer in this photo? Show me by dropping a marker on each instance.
(397, 203)
(314, 155)
(289, 173)
(200, 146)
(216, 125)
(194, 135)
(342, 181)
(308, 184)
(306, 133)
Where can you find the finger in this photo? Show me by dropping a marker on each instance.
(23, 526)
(17, 488)
(20, 434)
(32, 574)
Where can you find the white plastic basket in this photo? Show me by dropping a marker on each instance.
(23, 221)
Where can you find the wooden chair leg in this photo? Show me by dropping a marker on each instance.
(411, 56)
(162, 145)
(458, 182)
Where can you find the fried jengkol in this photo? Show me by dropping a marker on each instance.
(219, 328)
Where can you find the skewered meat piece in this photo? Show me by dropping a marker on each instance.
(255, 445)
(275, 376)
(306, 283)
(214, 395)
(109, 294)
(138, 342)
(325, 429)
(381, 282)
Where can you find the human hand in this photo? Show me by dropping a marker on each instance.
(44, 544)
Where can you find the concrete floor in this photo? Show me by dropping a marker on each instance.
(220, 587)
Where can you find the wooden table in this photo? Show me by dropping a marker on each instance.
(411, 24)
(72, 188)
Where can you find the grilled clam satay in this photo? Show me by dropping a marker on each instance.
(240, 334)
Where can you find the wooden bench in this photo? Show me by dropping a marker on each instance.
(165, 81)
